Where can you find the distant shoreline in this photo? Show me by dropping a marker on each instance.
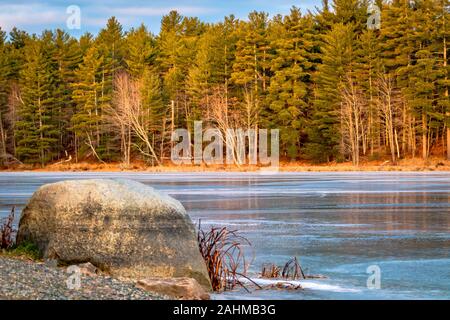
(404, 165)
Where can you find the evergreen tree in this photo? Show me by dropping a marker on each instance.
(338, 57)
(208, 68)
(423, 72)
(250, 70)
(287, 93)
(141, 51)
(4, 70)
(170, 46)
(66, 57)
(153, 105)
(351, 11)
(36, 132)
(87, 91)
(17, 40)
(110, 45)
(177, 44)
(368, 68)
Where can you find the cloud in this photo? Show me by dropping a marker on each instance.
(152, 11)
(12, 15)
(35, 16)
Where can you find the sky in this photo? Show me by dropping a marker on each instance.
(35, 16)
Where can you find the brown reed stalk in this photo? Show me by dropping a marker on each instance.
(223, 252)
(7, 231)
(270, 271)
(292, 270)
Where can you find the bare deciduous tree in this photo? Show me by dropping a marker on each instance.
(389, 104)
(130, 118)
(223, 115)
(352, 114)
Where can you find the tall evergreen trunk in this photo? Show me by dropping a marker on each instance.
(424, 136)
(2, 140)
(446, 95)
(413, 137)
(41, 137)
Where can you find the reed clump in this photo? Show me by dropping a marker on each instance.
(224, 255)
(292, 270)
(7, 231)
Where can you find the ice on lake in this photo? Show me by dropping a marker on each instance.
(337, 224)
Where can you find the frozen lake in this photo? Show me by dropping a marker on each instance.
(337, 224)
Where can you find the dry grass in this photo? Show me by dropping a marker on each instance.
(411, 164)
(7, 231)
(270, 271)
(223, 252)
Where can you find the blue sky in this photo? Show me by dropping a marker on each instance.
(34, 16)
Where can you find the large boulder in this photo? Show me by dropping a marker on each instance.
(120, 226)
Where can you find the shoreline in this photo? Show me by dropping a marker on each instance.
(405, 165)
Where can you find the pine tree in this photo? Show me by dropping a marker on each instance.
(396, 38)
(4, 70)
(13, 63)
(397, 50)
(154, 107)
(36, 132)
(170, 46)
(351, 12)
(250, 69)
(338, 56)
(208, 69)
(17, 40)
(177, 44)
(424, 71)
(287, 93)
(87, 90)
(140, 51)
(110, 44)
(66, 56)
(324, 18)
(230, 39)
(368, 69)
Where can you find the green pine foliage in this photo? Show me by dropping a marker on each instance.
(4, 70)
(251, 67)
(87, 96)
(140, 46)
(37, 134)
(291, 66)
(338, 60)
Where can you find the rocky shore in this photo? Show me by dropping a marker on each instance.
(27, 280)
(120, 240)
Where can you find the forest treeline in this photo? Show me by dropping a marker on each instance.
(336, 89)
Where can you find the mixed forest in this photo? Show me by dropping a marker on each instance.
(336, 89)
